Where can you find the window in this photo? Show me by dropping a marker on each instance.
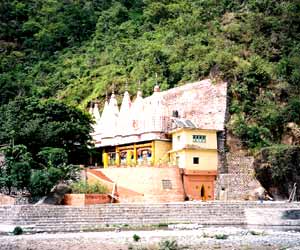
(199, 138)
(178, 138)
(195, 160)
(166, 184)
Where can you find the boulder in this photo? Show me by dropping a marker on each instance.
(259, 194)
(56, 196)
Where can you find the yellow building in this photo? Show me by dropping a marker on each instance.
(195, 151)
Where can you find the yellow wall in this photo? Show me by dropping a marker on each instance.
(208, 159)
(161, 149)
(186, 138)
(207, 153)
(182, 159)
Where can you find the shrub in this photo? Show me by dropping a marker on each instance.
(168, 245)
(221, 236)
(53, 156)
(40, 183)
(82, 187)
(136, 238)
(163, 225)
(17, 231)
(256, 233)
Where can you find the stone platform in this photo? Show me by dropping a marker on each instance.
(36, 219)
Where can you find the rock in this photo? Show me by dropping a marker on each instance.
(259, 194)
(291, 135)
(56, 196)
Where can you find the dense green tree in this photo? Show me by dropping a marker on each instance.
(50, 123)
(16, 169)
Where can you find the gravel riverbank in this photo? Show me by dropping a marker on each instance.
(203, 238)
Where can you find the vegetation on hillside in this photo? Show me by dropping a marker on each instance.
(74, 51)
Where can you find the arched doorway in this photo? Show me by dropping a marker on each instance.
(203, 192)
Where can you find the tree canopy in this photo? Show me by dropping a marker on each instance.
(47, 123)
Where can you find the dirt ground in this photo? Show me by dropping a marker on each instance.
(208, 239)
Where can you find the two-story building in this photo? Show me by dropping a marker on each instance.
(195, 152)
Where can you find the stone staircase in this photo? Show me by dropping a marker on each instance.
(37, 219)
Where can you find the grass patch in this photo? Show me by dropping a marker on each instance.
(221, 236)
(256, 233)
(163, 225)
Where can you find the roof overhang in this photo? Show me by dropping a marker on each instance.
(190, 129)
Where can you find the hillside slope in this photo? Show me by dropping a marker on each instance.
(76, 50)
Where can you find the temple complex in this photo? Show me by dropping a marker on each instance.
(164, 147)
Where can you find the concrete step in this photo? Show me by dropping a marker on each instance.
(65, 218)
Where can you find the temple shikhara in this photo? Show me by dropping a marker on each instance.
(161, 148)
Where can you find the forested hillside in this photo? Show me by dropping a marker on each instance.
(74, 50)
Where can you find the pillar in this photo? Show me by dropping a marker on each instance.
(117, 157)
(134, 155)
(105, 159)
(128, 158)
(153, 153)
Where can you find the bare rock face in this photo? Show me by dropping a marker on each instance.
(56, 196)
(291, 134)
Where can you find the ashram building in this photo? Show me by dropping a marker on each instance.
(164, 147)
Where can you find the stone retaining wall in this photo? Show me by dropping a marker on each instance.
(89, 218)
(238, 182)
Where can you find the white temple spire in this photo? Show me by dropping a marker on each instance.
(96, 112)
(124, 118)
(111, 123)
(137, 112)
(91, 108)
